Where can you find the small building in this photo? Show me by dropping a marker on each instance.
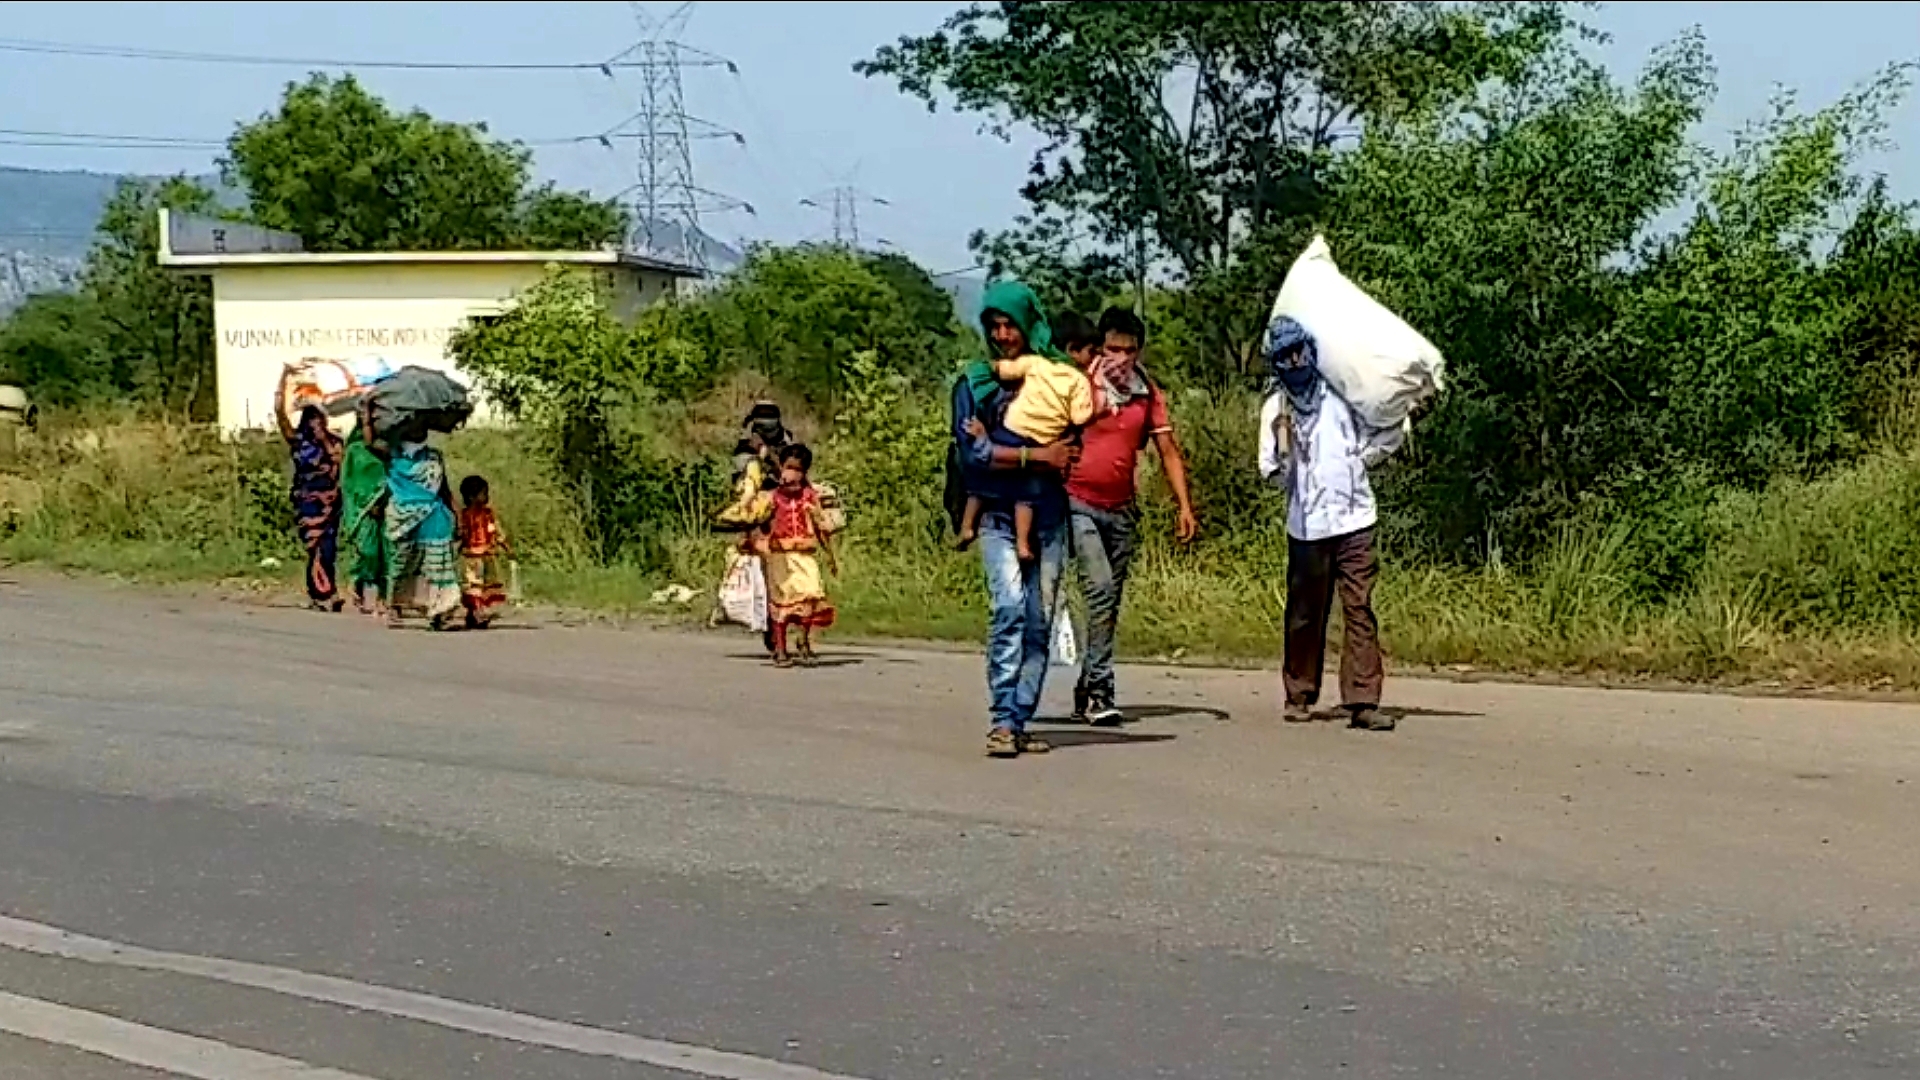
(275, 304)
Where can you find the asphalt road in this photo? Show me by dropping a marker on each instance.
(240, 843)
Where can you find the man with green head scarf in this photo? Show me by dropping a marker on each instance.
(1020, 594)
(1020, 309)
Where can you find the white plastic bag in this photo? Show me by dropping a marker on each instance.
(743, 594)
(1066, 648)
(1378, 364)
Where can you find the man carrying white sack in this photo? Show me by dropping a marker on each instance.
(1313, 447)
(1347, 377)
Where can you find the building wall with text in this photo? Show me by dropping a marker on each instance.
(266, 317)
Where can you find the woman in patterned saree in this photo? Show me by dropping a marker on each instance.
(424, 575)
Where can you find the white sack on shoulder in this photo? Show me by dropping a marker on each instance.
(1378, 364)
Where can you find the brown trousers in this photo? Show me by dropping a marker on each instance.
(1315, 569)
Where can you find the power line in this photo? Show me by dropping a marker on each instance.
(108, 141)
(88, 140)
(72, 144)
(127, 52)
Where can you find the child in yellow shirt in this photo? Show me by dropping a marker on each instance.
(1055, 398)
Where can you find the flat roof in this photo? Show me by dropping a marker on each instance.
(232, 260)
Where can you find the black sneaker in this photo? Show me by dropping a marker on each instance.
(1080, 702)
(1102, 712)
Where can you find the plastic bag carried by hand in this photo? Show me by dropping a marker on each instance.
(1066, 648)
(743, 594)
(1380, 366)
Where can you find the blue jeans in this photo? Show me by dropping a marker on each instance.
(1020, 598)
(1103, 547)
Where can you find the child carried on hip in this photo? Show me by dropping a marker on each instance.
(1054, 400)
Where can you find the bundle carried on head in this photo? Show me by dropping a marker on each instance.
(1381, 367)
(414, 401)
(335, 387)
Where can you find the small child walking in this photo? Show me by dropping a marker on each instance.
(1055, 398)
(483, 546)
(795, 542)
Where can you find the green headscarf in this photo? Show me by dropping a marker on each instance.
(1016, 302)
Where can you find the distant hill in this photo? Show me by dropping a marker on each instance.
(51, 213)
(47, 222)
(46, 226)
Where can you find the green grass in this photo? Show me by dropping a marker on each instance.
(1809, 583)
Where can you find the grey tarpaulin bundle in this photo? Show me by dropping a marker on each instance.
(415, 400)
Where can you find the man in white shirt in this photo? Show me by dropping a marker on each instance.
(1313, 448)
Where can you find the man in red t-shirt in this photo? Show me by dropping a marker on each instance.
(1130, 412)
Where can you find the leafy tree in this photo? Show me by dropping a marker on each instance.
(51, 345)
(797, 315)
(1500, 230)
(928, 305)
(1876, 267)
(578, 381)
(1046, 254)
(1178, 131)
(553, 220)
(337, 167)
(1748, 342)
(158, 324)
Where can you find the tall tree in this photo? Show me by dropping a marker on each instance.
(1177, 132)
(158, 324)
(798, 315)
(1506, 232)
(340, 169)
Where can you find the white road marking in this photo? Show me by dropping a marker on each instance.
(42, 940)
(153, 1048)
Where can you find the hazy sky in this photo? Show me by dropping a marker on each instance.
(809, 121)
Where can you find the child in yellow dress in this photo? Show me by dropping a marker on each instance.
(793, 545)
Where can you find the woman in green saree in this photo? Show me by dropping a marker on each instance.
(363, 490)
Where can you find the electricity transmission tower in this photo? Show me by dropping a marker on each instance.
(844, 200)
(667, 202)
